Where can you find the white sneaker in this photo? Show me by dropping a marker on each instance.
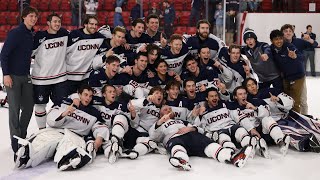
(130, 154)
(180, 163)
(284, 145)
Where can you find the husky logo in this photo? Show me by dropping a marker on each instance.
(163, 57)
(103, 49)
(40, 98)
(75, 39)
(103, 82)
(42, 40)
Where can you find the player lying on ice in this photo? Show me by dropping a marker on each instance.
(254, 116)
(303, 131)
(182, 140)
(63, 138)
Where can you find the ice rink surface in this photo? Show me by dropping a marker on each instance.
(294, 166)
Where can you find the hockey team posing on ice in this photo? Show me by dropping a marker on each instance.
(128, 93)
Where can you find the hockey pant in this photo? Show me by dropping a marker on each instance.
(196, 144)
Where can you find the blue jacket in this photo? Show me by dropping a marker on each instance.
(291, 69)
(16, 52)
(169, 15)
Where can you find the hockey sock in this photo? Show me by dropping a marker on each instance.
(41, 115)
(120, 126)
(217, 152)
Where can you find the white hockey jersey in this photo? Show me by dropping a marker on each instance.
(81, 121)
(147, 113)
(249, 118)
(167, 130)
(214, 119)
(80, 52)
(50, 57)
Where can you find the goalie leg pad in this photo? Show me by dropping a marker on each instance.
(75, 159)
(69, 142)
(39, 147)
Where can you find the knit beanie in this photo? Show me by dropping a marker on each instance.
(249, 33)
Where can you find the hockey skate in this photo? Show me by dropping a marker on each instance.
(240, 158)
(22, 157)
(91, 150)
(284, 145)
(314, 144)
(180, 163)
(116, 149)
(263, 148)
(130, 154)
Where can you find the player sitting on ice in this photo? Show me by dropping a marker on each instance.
(63, 138)
(217, 124)
(255, 117)
(117, 117)
(181, 139)
(304, 131)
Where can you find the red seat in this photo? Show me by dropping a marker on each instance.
(184, 18)
(13, 18)
(110, 18)
(43, 5)
(191, 30)
(65, 5)
(102, 17)
(109, 5)
(13, 5)
(42, 20)
(178, 5)
(3, 5)
(67, 18)
(3, 19)
(54, 5)
(4, 29)
(126, 17)
(70, 28)
(187, 5)
(180, 30)
(36, 28)
(266, 5)
(34, 4)
(100, 5)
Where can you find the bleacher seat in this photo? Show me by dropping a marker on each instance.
(3, 19)
(54, 5)
(266, 5)
(191, 30)
(67, 18)
(180, 30)
(65, 5)
(126, 17)
(13, 18)
(43, 5)
(3, 5)
(109, 5)
(102, 17)
(42, 20)
(100, 5)
(184, 18)
(4, 29)
(178, 5)
(13, 5)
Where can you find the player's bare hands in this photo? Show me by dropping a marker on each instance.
(250, 106)
(185, 130)
(132, 110)
(163, 41)
(292, 54)
(202, 109)
(126, 46)
(217, 64)
(98, 142)
(119, 90)
(150, 74)
(76, 102)
(127, 69)
(264, 57)
(254, 132)
(7, 81)
(273, 98)
(70, 109)
(110, 52)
